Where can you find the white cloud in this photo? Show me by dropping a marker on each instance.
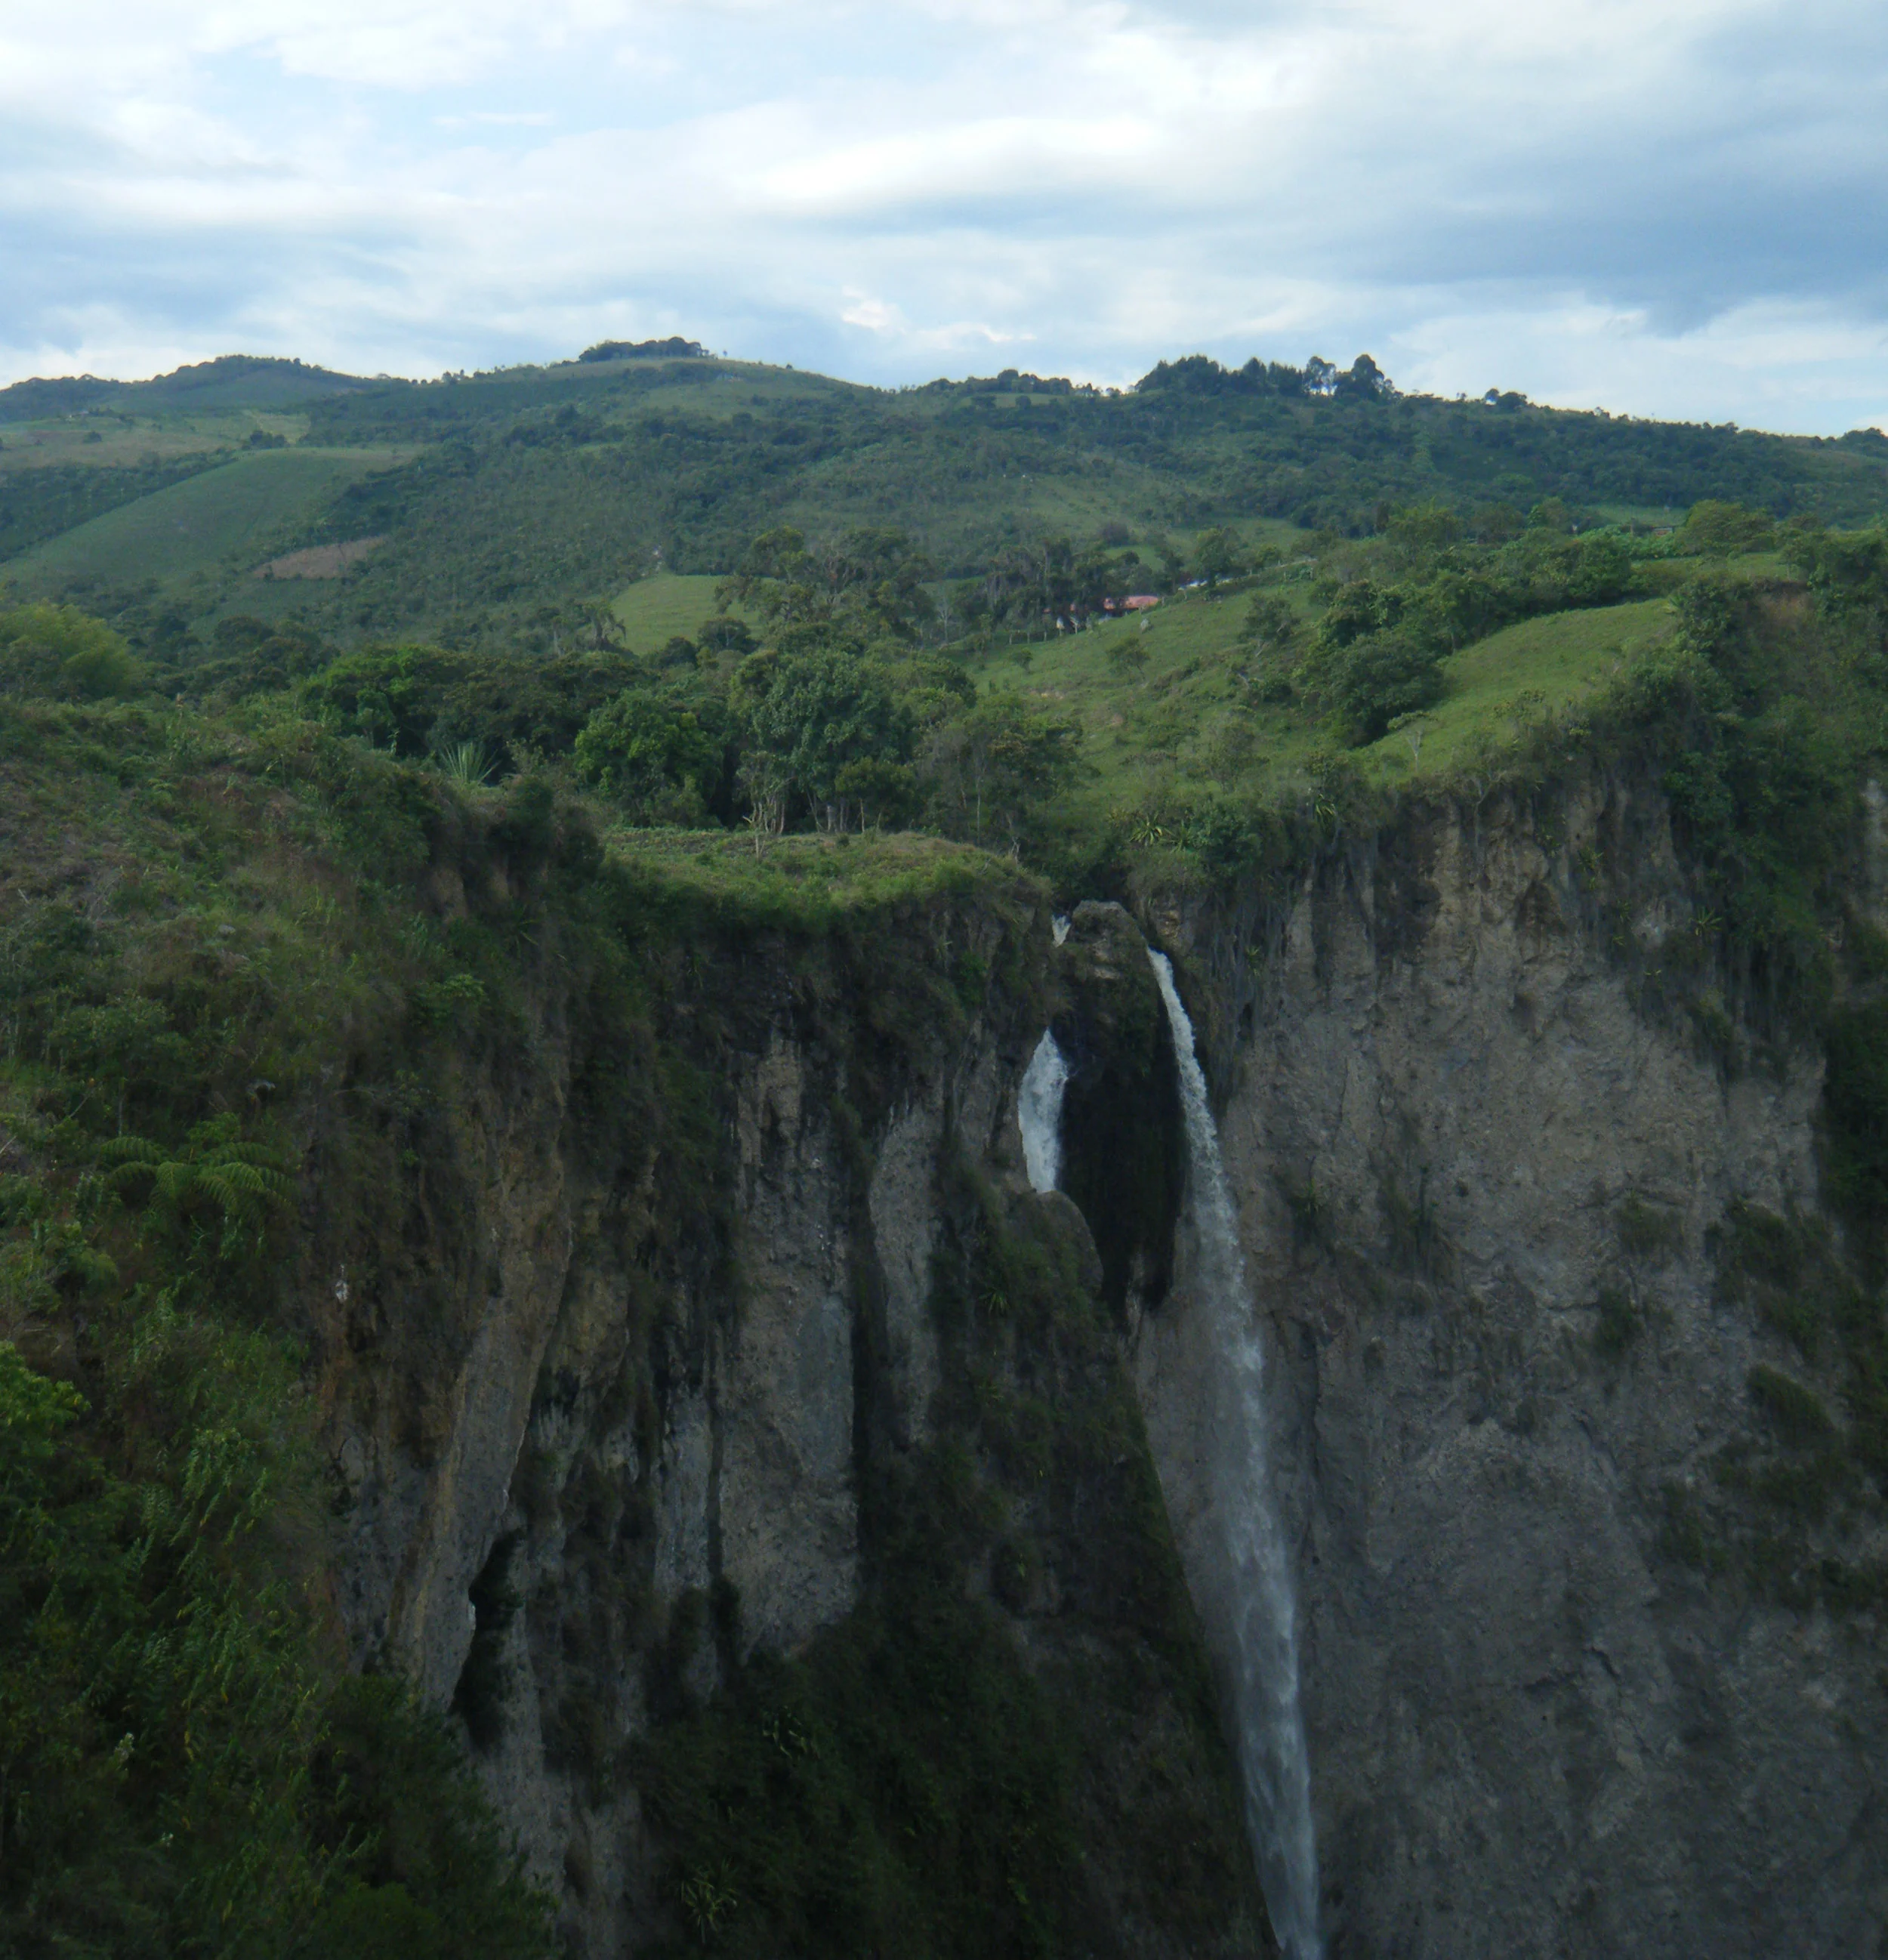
(1664, 205)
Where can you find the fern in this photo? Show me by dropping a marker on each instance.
(215, 1171)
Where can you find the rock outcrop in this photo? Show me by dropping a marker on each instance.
(1485, 1188)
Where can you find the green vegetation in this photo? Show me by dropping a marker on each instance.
(1789, 1497)
(59, 650)
(911, 1783)
(644, 667)
(527, 496)
(54, 498)
(184, 1765)
(225, 988)
(664, 606)
(227, 519)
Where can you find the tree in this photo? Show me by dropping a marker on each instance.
(1218, 554)
(1603, 572)
(1356, 608)
(725, 634)
(1420, 533)
(873, 579)
(993, 769)
(818, 710)
(1455, 608)
(652, 752)
(884, 792)
(389, 696)
(1126, 654)
(1713, 528)
(1377, 680)
(1363, 380)
(1847, 571)
(250, 656)
(58, 650)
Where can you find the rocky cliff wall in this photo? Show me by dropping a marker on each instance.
(696, 1307)
(1489, 1193)
(712, 1358)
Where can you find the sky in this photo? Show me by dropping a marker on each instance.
(1670, 207)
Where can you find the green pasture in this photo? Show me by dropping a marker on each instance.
(1187, 716)
(104, 438)
(655, 610)
(1537, 668)
(234, 511)
(805, 882)
(112, 441)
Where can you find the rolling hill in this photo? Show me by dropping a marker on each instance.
(513, 505)
(218, 520)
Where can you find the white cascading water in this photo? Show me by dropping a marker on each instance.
(1259, 1637)
(1039, 1114)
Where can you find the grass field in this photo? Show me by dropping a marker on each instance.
(1187, 718)
(218, 519)
(655, 610)
(123, 441)
(107, 439)
(804, 882)
(1539, 667)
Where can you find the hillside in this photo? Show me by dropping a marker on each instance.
(513, 503)
(524, 1319)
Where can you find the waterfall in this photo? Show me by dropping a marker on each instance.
(1039, 1114)
(1258, 1633)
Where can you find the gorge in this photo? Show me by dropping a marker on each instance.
(1490, 1195)
(1288, 1372)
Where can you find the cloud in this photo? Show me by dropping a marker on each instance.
(1665, 206)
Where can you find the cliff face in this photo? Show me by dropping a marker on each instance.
(1490, 1201)
(731, 1438)
(713, 1360)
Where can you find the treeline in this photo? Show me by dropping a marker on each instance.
(843, 719)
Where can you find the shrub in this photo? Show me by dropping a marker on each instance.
(651, 752)
(59, 650)
(1797, 1411)
(1379, 678)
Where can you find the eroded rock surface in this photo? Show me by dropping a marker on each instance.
(1479, 1188)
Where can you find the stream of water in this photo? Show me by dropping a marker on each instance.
(1259, 1638)
(1039, 1114)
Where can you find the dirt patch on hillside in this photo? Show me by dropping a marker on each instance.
(319, 560)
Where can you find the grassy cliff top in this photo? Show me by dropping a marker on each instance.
(807, 882)
(1185, 719)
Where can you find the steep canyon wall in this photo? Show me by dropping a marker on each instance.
(641, 1395)
(1491, 1190)
(693, 1321)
